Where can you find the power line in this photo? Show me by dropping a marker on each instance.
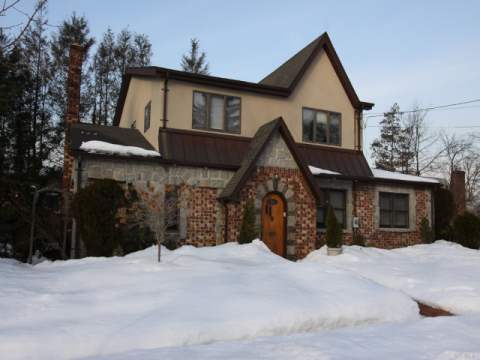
(427, 108)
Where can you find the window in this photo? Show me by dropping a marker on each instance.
(393, 210)
(216, 112)
(323, 127)
(337, 200)
(171, 209)
(146, 116)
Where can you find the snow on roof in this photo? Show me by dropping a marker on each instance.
(384, 174)
(318, 171)
(102, 147)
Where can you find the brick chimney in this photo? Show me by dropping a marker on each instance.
(457, 187)
(73, 108)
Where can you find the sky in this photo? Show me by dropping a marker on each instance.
(409, 52)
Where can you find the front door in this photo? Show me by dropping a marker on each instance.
(273, 223)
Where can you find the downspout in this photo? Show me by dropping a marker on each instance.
(165, 100)
(354, 191)
(225, 226)
(77, 185)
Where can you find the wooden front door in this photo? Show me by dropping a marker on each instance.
(273, 223)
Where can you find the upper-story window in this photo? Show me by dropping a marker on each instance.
(216, 112)
(321, 126)
(146, 116)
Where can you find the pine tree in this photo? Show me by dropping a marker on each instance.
(112, 57)
(193, 62)
(44, 136)
(248, 231)
(386, 149)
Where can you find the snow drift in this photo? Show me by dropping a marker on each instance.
(442, 274)
(96, 306)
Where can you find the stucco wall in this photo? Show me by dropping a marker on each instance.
(319, 88)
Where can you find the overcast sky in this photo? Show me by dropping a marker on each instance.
(393, 51)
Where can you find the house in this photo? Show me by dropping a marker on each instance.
(291, 143)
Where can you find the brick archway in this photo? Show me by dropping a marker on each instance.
(277, 185)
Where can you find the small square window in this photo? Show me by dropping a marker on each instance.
(146, 117)
(337, 200)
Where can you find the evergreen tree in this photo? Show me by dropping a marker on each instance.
(44, 136)
(386, 149)
(334, 230)
(112, 57)
(193, 62)
(248, 231)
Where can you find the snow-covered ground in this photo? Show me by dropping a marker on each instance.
(442, 274)
(106, 305)
(447, 338)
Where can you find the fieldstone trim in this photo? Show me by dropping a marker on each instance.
(277, 185)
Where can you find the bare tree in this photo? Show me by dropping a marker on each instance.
(462, 152)
(455, 149)
(7, 8)
(159, 211)
(421, 141)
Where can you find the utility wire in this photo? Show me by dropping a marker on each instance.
(427, 108)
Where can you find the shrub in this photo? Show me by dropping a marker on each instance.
(334, 230)
(95, 208)
(248, 230)
(444, 211)
(466, 230)
(426, 231)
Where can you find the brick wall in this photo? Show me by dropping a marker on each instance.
(366, 206)
(301, 209)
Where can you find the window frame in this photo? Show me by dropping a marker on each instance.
(392, 196)
(208, 120)
(328, 114)
(326, 192)
(149, 107)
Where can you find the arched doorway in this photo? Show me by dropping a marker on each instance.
(273, 222)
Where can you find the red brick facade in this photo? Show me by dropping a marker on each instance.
(205, 212)
(366, 208)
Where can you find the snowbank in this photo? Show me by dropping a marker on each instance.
(102, 147)
(447, 338)
(442, 274)
(383, 174)
(317, 171)
(98, 306)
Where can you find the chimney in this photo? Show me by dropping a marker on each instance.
(73, 108)
(457, 187)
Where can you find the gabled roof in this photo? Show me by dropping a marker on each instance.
(280, 83)
(262, 137)
(289, 74)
